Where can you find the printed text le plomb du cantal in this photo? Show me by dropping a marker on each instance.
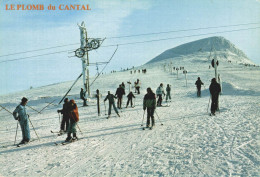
(49, 7)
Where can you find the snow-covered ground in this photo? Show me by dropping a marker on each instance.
(189, 143)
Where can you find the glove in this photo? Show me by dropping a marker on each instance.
(58, 111)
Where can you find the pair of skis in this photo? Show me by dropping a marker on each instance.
(23, 144)
(150, 128)
(58, 133)
(66, 142)
(112, 116)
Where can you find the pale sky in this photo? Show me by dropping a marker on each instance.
(31, 30)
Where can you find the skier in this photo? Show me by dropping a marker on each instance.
(23, 120)
(198, 83)
(149, 103)
(130, 97)
(65, 116)
(119, 93)
(73, 119)
(138, 84)
(214, 89)
(159, 92)
(168, 92)
(82, 96)
(110, 98)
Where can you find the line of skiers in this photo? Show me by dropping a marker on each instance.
(71, 116)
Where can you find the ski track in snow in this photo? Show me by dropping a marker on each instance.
(189, 143)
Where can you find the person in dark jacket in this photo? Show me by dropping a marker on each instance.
(110, 97)
(73, 119)
(198, 83)
(119, 93)
(138, 85)
(149, 102)
(65, 116)
(82, 96)
(168, 92)
(215, 90)
(22, 117)
(130, 97)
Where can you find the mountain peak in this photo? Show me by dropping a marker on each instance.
(211, 44)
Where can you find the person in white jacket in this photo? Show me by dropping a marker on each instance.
(159, 93)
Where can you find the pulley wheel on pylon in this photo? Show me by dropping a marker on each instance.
(80, 52)
(95, 44)
(88, 46)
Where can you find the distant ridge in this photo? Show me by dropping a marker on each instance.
(216, 43)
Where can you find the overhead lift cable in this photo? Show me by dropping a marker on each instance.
(138, 42)
(135, 35)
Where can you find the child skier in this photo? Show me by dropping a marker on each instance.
(130, 97)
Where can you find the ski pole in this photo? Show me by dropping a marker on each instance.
(158, 118)
(79, 128)
(16, 133)
(33, 127)
(105, 108)
(143, 119)
(76, 124)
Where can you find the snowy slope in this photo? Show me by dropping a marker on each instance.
(189, 143)
(212, 46)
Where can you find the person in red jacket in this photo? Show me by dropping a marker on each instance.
(73, 119)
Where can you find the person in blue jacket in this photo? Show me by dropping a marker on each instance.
(22, 117)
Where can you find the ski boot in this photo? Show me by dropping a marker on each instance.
(75, 138)
(69, 138)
